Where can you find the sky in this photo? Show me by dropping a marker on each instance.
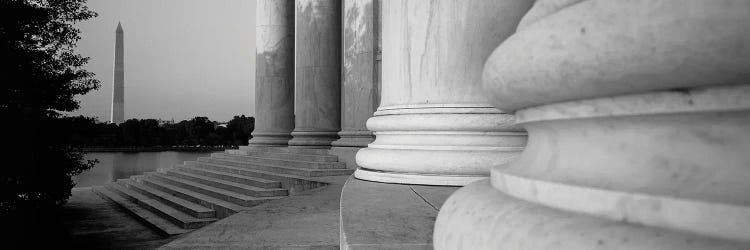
(183, 58)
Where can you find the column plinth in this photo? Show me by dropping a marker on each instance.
(313, 139)
(274, 79)
(353, 138)
(317, 73)
(438, 145)
(434, 125)
(638, 131)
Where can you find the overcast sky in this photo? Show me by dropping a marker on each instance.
(183, 58)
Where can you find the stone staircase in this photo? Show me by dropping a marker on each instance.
(191, 195)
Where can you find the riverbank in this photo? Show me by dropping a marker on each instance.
(154, 149)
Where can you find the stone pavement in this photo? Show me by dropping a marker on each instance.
(308, 220)
(389, 216)
(375, 216)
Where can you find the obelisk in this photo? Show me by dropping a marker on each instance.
(118, 95)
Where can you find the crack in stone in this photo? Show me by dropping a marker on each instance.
(425, 200)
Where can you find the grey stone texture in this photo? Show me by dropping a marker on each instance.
(274, 73)
(308, 220)
(360, 85)
(435, 125)
(637, 114)
(317, 73)
(389, 216)
(177, 200)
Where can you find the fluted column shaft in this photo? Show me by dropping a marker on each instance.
(434, 125)
(274, 79)
(637, 113)
(360, 83)
(317, 73)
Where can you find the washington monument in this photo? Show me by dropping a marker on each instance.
(118, 95)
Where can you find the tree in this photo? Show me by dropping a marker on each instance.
(41, 76)
(88, 132)
(131, 132)
(240, 128)
(149, 133)
(199, 129)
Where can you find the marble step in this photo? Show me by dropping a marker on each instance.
(185, 206)
(222, 208)
(282, 162)
(242, 179)
(152, 220)
(173, 215)
(226, 195)
(294, 183)
(305, 172)
(290, 156)
(305, 151)
(228, 185)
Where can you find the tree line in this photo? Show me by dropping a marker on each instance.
(88, 132)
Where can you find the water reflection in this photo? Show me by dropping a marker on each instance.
(120, 165)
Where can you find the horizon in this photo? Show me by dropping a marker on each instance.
(183, 59)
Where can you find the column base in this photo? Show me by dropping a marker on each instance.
(270, 139)
(479, 217)
(312, 139)
(354, 139)
(414, 178)
(438, 144)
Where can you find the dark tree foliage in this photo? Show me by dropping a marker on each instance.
(198, 131)
(239, 129)
(41, 75)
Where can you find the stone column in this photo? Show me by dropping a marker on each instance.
(317, 73)
(638, 115)
(274, 79)
(360, 86)
(434, 125)
(360, 90)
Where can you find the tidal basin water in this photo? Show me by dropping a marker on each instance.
(120, 165)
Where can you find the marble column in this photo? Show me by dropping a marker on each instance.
(360, 83)
(274, 79)
(434, 125)
(317, 73)
(638, 115)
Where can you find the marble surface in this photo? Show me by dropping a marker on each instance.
(637, 114)
(480, 217)
(308, 220)
(360, 86)
(318, 75)
(610, 47)
(434, 125)
(274, 75)
(435, 50)
(389, 216)
(666, 159)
